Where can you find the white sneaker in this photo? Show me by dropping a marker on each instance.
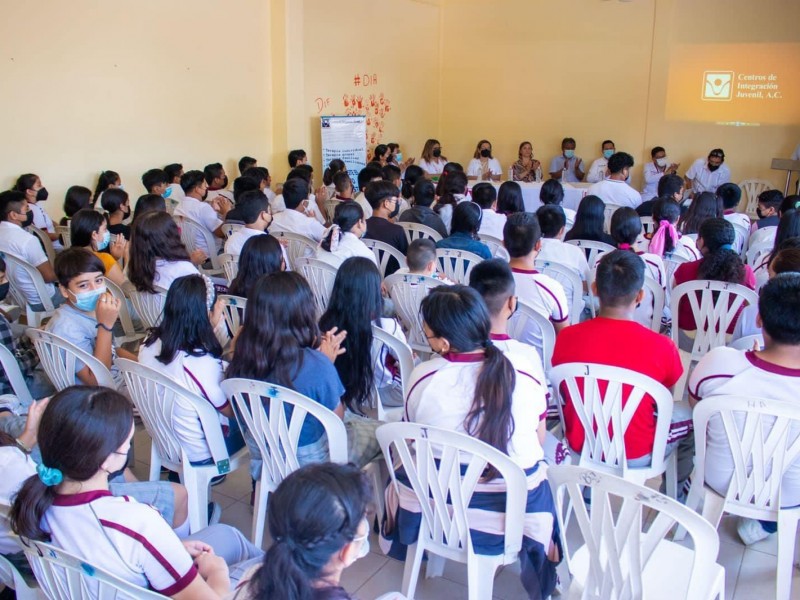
(751, 531)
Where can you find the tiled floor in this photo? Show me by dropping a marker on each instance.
(750, 572)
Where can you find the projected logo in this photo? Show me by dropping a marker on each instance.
(717, 85)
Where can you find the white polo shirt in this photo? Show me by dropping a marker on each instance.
(652, 175)
(128, 539)
(202, 213)
(177, 194)
(509, 346)
(619, 193)
(704, 180)
(737, 218)
(475, 169)
(435, 166)
(546, 296)
(278, 205)
(214, 193)
(15, 240)
(234, 244)
(492, 223)
(441, 393)
(293, 221)
(572, 257)
(169, 271)
(349, 245)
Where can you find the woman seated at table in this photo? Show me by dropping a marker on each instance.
(527, 168)
(432, 161)
(483, 166)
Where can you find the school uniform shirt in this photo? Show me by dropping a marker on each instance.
(435, 166)
(202, 213)
(511, 347)
(425, 215)
(569, 214)
(176, 193)
(42, 220)
(446, 211)
(390, 233)
(572, 257)
(214, 193)
(475, 168)
(737, 218)
(201, 375)
(704, 180)
(349, 245)
(441, 393)
(278, 205)
(235, 243)
(725, 371)
(618, 193)
(464, 241)
(652, 175)
(746, 323)
(492, 224)
(130, 540)
(169, 271)
(383, 375)
(361, 200)
(558, 163)
(15, 240)
(546, 296)
(761, 235)
(293, 221)
(270, 195)
(625, 344)
(16, 467)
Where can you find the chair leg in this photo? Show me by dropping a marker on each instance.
(435, 566)
(480, 576)
(787, 531)
(375, 470)
(671, 475)
(411, 571)
(713, 507)
(259, 511)
(155, 463)
(197, 487)
(693, 500)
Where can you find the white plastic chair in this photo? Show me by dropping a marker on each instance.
(596, 249)
(235, 307)
(620, 557)
(764, 438)
(605, 417)
(746, 342)
(9, 574)
(713, 316)
(648, 225)
(58, 358)
(414, 231)
(518, 324)
(46, 242)
(191, 231)
(299, 246)
(157, 397)
(608, 212)
(125, 320)
(383, 252)
(231, 227)
(66, 235)
(751, 188)
(44, 291)
(407, 292)
(496, 246)
(230, 266)
(456, 264)
(742, 234)
(15, 376)
(431, 458)
(64, 576)
(149, 307)
(659, 296)
(672, 262)
(405, 361)
(756, 253)
(320, 276)
(570, 281)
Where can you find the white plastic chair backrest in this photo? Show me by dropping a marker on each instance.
(570, 281)
(64, 576)
(618, 542)
(647, 224)
(605, 415)
(751, 188)
(433, 460)
(14, 375)
(14, 263)
(11, 578)
(608, 212)
(659, 298)
(149, 307)
(519, 323)
(299, 245)
(400, 350)
(156, 397)
(672, 262)
(230, 266)
(758, 252)
(231, 227)
(764, 439)
(66, 235)
(383, 252)
(595, 249)
(235, 307)
(407, 292)
(715, 306)
(124, 317)
(277, 433)
(320, 276)
(46, 242)
(191, 230)
(414, 231)
(456, 264)
(58, 358)
(496, 246)
(741, 236)
(747, 342)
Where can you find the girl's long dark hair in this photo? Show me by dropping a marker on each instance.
(355, 304)
(509, 198)
(589, 220)
(80, 428)
(456, 183)
(413, 174)
(704, 206)
(185, 326)
(626, 226)
(147, 203)
(788, 227)
(106, 179)
(458, 314)
(312, 515)
(346, 215)
(719, 263)
(83, 224)
(335, 166)
(279, 324)
(154, 236)
(261, 255)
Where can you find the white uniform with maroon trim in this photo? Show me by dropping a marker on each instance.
(441, 392)
(727, 371)
(510, 346)
(572, 257)
(546, 296)
(128, 539)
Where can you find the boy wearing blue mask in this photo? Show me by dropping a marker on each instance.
(88, 316)
(566, 166)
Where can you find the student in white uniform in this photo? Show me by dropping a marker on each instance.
(552, 194)
(156, 254)
(552, 223)
(707, 175)
(454, 192)
(522, 239)
(731, 195)
(659, 166)
(217, 181)
(155, 182)
(431, 159)
(209, 215)
(85, 434)
(342, 240)
(365, 177)
(174, 192)
(613, 190)
(666, 240)
(773, 373)
(485, 195)
(252, 208)
(567, 167)
(295, 218)
(334, 167)
(483, 166)
(262, 176)
(597, 172)
(421, 260)
(35, 192)
(787, 234)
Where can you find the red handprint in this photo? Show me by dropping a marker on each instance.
(360, 101)
(346, 101)
(382, 99)
(372, 99)
(376, 110)
(383, 112)
(369, 121)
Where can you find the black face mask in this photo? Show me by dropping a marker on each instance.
(486, 153)
(41, 194)
(437, 153)
(28, 221)
(713, 168)
(225, 182)
(759, 213)
(4, 291)
(396, 210)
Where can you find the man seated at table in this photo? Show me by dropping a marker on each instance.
(566, 166)
(707, 176)
(597, 172)
(613, 189)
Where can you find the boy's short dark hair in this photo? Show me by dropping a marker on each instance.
(298, 173)
(250, 205)
(294, 156)
(521, 233)
(212, 171)
(154, 177)
(779, 308)
(258, 173)
(244, 184)
(342, 182)
(76, 261)
(669, 185)
(191, 179)
(551, 219)
(619, 161)
(420, 253)
(730, 194)
(113, 198)
(484, 195)
(10, 201)
(494, 281)
(379, 191)
(366, 175)
(245, 163)
(294, 192)
(771, 198)
(619, 277)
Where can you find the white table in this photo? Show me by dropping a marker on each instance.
(573, 194)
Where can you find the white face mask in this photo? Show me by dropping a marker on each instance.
(662, 162)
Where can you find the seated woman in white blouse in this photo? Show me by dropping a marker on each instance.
(483, 166)
(343, 238)
(432, 161)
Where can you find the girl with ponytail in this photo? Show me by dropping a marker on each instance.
(106, 180)
(473, 388)
(342, 240)
(666, 240)
(334, 167)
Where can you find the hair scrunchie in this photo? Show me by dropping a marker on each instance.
(49, 475)
(726, 247)
(665, 228)
(335, 234)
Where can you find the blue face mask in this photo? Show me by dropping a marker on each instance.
(608, 153)
(569, 153)
(166, 193)
(87, 301)
(103, 244)
(399, 157)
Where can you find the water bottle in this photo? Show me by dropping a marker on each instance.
(511, 173)
(564, 174)
(539, 173)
